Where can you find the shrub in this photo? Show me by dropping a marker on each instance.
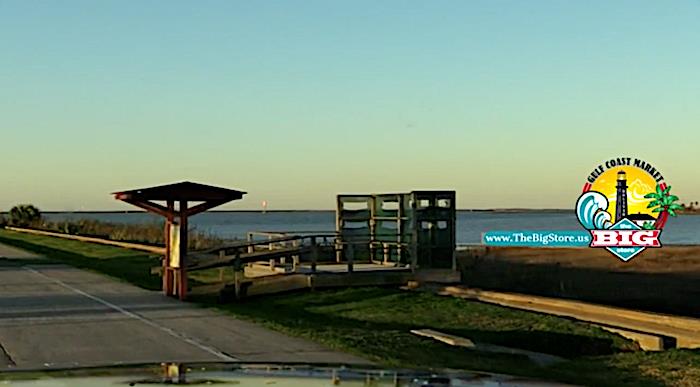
(147, 233)
(23, 215)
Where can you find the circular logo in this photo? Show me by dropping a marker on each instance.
(625, 203)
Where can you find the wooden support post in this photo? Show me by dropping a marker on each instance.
(222, 256)
(387, 253)
(350, 257)
(295, 243)
(314, 254)
(251, 249)
(168, 280)
(414, 251)
(237, 273)
(338, 227)
(182, 271)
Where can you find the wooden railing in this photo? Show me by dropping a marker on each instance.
(282, 245)
(237, 255)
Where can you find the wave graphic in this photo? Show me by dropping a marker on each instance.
(591, 211)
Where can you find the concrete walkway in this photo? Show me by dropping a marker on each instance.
(56, 316)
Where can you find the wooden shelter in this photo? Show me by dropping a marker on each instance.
(180, 201)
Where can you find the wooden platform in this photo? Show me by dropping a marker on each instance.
(288, 282)
(326, 276)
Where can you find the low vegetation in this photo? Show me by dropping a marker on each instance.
(146, 233)
(28, 216)
(375, 323)
(690, 208)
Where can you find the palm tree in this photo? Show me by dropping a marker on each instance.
(663, 203)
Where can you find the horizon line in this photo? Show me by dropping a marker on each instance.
(497, 209)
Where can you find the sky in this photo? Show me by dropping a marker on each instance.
(510, 103)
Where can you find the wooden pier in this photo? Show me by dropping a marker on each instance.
(284, 262)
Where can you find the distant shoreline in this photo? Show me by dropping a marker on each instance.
(498, 210)
(490, 210)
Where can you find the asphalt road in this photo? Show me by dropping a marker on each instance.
(57, 316)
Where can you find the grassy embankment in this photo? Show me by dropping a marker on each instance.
(149, 233)
(375, 323)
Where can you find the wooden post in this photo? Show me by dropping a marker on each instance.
(237, 268)
(295, 243)
(222, 256)
(182, 271)
(387, 253)
(338, 227)
(295, 263)
(314, 254)
(167, 278)
(350, 257)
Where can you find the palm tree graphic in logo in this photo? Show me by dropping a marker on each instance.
(664, 204)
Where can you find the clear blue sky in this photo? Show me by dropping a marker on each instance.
(511, 103)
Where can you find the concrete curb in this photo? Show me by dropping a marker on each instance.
(651, 330)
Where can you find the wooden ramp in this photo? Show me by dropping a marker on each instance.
(279, 283)
(294, 262)
(202, 262)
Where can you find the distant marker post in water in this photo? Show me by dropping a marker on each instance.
(264, 206)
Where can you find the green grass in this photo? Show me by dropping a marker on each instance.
(375, 323)
(211, 276)
(128, 265)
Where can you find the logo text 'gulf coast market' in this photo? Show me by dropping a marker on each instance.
(625, 204)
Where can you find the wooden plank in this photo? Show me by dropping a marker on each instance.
(247, 258)
(444, 337)
(271, 284)
(646, 341)
(537, 357)
(151, 207)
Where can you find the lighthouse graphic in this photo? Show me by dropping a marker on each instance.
(620, 214)
(621, 199)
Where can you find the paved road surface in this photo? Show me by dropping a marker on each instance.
(55, 316)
